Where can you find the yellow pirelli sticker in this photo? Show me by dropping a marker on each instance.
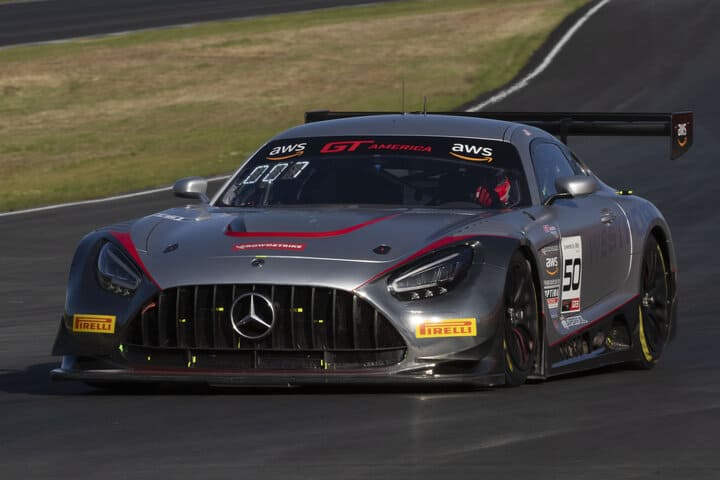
(452, 327)
(93, 323)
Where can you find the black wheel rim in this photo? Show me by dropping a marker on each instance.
(654, 302)
(520, 317)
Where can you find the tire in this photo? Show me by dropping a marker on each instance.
(520, 327)
(653, 323)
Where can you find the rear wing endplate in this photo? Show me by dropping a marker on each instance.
(677, 126)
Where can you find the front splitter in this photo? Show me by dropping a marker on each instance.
(266, 379)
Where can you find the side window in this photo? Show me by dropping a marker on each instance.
(550, 164)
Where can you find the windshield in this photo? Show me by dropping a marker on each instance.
(396, 171)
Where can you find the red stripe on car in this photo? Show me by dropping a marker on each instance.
(127, 243)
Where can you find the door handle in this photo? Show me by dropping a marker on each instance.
(607, 216)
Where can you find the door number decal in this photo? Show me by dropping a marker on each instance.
(572, 274)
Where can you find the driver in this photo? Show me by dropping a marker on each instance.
(497, 196)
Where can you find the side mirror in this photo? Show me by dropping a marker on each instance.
(191, 187)
(571, 187)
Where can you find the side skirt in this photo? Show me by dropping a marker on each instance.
(607, 341)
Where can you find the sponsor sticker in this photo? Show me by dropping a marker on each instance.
(454, 327)
(473, 153)
(574, 321)
(572, 274)
(353, 145)
(167, 216)
(269, 246)
(552, 293)
(93, 323)
(552, 266)
(286, 152)
(400, 146)
(550, 249)
(344, 146)
(551, 229)
(682, 131)
(552, 297)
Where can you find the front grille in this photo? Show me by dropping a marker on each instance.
(315, 327)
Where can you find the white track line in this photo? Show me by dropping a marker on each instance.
(100, 200)
(494, 99)
(523, 82)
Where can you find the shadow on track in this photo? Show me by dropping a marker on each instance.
(35, 380)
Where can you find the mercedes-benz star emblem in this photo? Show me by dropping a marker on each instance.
(252, 316)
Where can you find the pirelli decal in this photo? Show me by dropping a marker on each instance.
(93, 323)
(453, 327)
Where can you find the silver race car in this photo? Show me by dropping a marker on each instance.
(364, 247)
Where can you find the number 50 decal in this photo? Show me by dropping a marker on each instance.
(572, 274)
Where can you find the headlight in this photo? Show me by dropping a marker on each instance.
(435, 276)
(116, 272)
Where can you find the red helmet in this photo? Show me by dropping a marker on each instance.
(503, 190)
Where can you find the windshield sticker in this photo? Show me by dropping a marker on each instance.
(572, 274)
(353, 145)
(344, 146)
(275, 172)
(400, 146)
(472, 153)
(295, 170)
(255, 174)
(286, 152)
(269, 246)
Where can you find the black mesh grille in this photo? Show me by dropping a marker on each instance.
(314, 328)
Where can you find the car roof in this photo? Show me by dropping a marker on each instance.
(407, 124)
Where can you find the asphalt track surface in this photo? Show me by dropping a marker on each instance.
(638, 55)
(49, 20)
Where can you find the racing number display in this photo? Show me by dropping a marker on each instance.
(572, 274)
(571, 278)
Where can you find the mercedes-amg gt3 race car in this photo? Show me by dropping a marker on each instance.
(397, 248)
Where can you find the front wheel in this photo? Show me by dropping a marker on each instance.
(653, 323)
(520, 331)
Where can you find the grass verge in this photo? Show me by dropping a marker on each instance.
(94, 117)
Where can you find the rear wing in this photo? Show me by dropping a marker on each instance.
(677, 126)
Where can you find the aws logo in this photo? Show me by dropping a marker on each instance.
(472, 153)
(285, 152)
(682, 134)
(552, 266)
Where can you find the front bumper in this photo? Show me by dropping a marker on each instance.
(274, 379)
(183, 334)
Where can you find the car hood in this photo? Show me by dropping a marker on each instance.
(340, 247)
